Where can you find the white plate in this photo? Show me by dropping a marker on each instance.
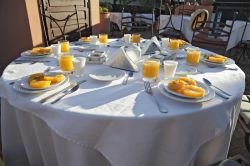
(27, 54)
(24, 83)
(17, 86)
(207, 97)
(229, 61)
(185, 70)
(107, 74)
(204, 86)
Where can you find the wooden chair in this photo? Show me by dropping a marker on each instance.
(214, 36)
(137, 23)
(59, 25)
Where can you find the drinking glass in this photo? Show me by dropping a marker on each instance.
(66, 63)
(56, 49)
(174, 44)
(93, 39)
(193, 57)
(136, 38)
(150, 70)
(64, 46)
(79, 64)
(164, 42)
(103, 39)
(127, 38)
(169, 68)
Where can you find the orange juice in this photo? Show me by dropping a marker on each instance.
(66, 63)
(64, 46)
(103, 38)
(174, 44)
(150, 69)
(193, 57)
(136, 38)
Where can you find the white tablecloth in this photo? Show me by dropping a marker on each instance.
(237, 33)
(176, 20)
(112, 124)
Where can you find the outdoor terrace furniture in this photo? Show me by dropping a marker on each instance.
(245, 38)
(169, 29)
(63, 22)
(107, 123)
(244, 119)
(214, 36)
(137, 22)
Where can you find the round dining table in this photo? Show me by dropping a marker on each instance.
(108, 123)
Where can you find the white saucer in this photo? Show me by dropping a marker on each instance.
(107, 74)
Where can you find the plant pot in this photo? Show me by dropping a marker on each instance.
(207, 2)
(104, 23)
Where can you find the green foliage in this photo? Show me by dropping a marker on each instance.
(104, 10)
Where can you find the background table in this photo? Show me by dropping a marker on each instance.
(112, 124)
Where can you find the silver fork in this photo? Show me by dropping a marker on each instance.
(150, 92)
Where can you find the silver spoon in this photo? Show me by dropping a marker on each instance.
(210, 84)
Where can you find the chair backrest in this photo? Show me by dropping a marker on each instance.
(62, 22)
(138, 21)
(247, 21)
(169, 26)
(214, 35)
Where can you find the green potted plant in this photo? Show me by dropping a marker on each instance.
(104, 20)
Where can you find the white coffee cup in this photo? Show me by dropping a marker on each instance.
(56, 49)
(169, 68)
(127, 38)
(93, 39)
(79, 64)
(165, 42)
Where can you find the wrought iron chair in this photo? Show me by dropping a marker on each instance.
(169, 30)
(214, 38)
(136, 22)
(244, 119)
(244, 43)
(56, 29)
(237, 160)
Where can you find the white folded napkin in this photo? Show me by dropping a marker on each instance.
(126, 58)
(151, 46)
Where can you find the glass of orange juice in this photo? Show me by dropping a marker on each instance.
(103, 39)
(64, 46)
(136, 38)
(150, 70)
(174, 44)
(193, 57)
(66, 63)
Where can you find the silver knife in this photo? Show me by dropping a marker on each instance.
(68, 91)
(221, 94)
(61, 91)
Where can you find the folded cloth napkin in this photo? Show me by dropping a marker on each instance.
(126, 58)
(151, 46)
